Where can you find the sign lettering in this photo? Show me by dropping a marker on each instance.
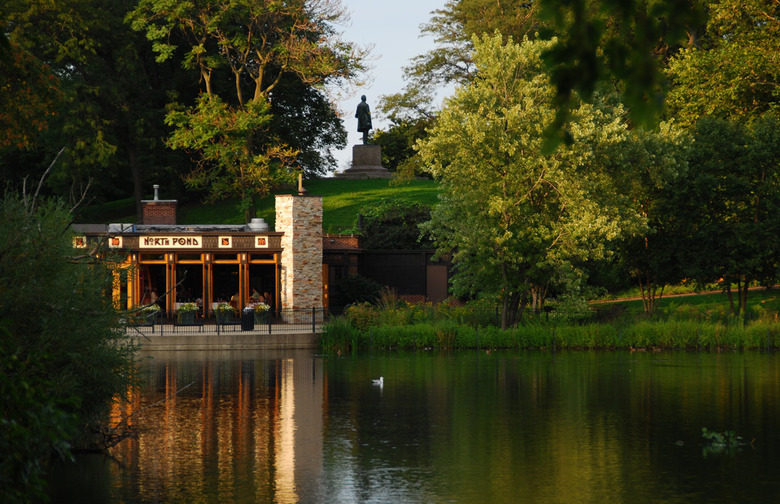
(171, 242)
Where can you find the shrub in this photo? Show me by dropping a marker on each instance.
(355, 289)
(61, 325)
(362, 316)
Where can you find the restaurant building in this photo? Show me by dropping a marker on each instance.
(168, 263)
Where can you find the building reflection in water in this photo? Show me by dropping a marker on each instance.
(223, 427)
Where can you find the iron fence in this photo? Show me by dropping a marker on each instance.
(285, 321)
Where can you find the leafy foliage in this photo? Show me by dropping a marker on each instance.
(397, 143)
(33, 426)
(237, 154)
(28, 93)
(620, 40)
(259, 47)
(726, 208)
(354, 289)
(473, 325)
(63, 354)
(451, 61)
(718, 443)
(653, 258)
(733, 73)
(514, 218)
(393, 225)
(110, 98)
(305, 120)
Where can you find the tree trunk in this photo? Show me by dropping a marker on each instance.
(512, 307)
(538, 295)
(648, 291)
(731, 298)
(743, 294)
(504, 313)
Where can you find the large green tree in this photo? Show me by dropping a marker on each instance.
(514, 219)
(654, 258)
(393, 225)
(242, 51)
(734, 72)
(412, 110)
(28, 93)
(109, 108)
(727, 207)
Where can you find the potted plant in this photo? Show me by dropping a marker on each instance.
(186, 313)
(261, 313)
(224, 313)
(150, 314)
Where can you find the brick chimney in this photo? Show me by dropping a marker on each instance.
(158, 211)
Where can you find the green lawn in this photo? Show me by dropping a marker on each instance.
(342, 200)
(714, 303)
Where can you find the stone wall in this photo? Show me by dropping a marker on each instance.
(300, 219)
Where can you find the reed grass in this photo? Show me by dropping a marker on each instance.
(395, 326)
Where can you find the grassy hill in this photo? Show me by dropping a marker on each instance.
(342, 200)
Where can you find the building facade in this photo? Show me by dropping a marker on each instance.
(159, 261)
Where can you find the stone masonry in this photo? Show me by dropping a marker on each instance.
(300, 219)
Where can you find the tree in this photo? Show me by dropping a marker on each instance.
(227, 140)
(412, 110)
(393, 225)
(111, 98)
(624, 41)
(28, 93)
(307, 122)
(64, 355)
(514, 219)
(653, 258)
(735, 72)
(726, 208)
(253, 46)
(450, 62)
(397, 143)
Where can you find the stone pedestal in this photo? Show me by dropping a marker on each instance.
(366, 164)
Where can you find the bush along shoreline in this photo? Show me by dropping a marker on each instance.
(424, 327)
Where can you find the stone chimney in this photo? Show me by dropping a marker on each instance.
(300, 219)
(158, 211)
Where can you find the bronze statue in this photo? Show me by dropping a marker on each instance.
(363, 115)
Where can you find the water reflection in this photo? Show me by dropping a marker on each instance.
(235, 427)
(465, 427)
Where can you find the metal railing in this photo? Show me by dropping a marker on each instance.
(298, 320)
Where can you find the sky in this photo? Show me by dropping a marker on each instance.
(393, 28)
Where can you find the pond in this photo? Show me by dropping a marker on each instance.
(458, 427)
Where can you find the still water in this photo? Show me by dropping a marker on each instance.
(461, 427)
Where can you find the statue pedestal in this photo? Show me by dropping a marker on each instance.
(366, 164)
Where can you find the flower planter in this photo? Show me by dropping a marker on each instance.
(186, 318)
(225, 317)
(261, 317)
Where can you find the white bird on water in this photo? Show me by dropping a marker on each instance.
(380, 381)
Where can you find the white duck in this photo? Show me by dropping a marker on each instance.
(380, 382)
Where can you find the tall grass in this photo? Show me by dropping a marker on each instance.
(393, 324)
